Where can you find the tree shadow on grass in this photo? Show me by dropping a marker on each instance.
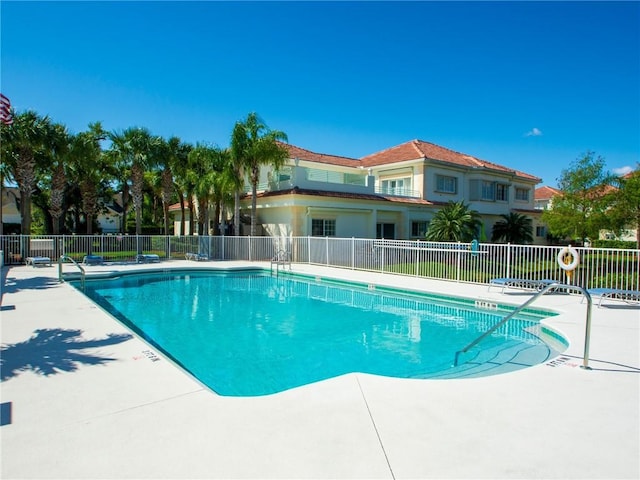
(54, 350)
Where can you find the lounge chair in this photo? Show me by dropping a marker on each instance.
(92, 260)
(147, 258)
(521, 283)
(629, 296)
(196, 257)
(35, 261)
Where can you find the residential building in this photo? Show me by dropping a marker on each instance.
(543, 197)
(391, 194)
(109, 219)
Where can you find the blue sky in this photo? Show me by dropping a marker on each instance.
(528, 85)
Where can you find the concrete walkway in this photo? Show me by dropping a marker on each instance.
(84, 398)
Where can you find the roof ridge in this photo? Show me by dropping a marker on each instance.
(318, 153)
(476, 159)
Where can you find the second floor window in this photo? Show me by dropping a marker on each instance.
(488, 191)
(502, 192)
(398, 186)
(446, 184)
(522, 194)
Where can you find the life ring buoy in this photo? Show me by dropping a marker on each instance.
(575, 258)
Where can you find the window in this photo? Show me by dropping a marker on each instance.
(487, 191)
(541, 231)
(386, 231)
(398, 186)
(323, 228)
(522, 194)
(502, 192)
(446, 184)
(419, 229)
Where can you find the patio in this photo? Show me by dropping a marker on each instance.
(98, 402)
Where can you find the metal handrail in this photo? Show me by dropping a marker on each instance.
(283, 258)
(587, 339)
(82, 270)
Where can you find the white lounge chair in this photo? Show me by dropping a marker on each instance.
(147, 258)
(196, 257)
(629, 296)
(35, 261)
(92, 260)
(520, 283)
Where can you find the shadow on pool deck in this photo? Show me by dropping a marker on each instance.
(54, 350)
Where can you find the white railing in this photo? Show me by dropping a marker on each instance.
(459, 262)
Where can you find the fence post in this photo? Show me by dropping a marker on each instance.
(508, 274)
(327, 248)
(458, 262)
(353, 253)
(417, 257)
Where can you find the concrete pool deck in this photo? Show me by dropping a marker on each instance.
(83, 398)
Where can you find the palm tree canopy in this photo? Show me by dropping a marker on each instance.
(253, 145)
(454, 223)
(513, 228)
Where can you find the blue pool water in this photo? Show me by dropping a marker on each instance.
(246, 334)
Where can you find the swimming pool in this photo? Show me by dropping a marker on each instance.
(250, 333)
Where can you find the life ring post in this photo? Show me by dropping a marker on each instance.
(563, 254)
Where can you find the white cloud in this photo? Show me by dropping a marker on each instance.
(622, 171)
(534, 132)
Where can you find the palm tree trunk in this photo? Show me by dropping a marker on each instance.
(137, 177)
(236, 213)
(183, 212)
(25, 177)
(57, 197)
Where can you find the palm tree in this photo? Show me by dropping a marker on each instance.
(454, 223)
(164, 158)
(89, 165)
(134, 147)
(513, 228)
(223, 184)
(180, 170)
(202, 160)
(253, 145)
(58, 176)
(24, 143)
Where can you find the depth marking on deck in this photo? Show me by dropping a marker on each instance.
(148, 354)
(561, 362)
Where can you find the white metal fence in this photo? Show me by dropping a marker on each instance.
(459, 262)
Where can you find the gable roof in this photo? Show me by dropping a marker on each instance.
(413, 150)
(419, 149)
(546, 193)
(302, 154)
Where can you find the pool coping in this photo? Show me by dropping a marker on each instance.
(139, 416)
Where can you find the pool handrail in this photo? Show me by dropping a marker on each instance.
(82, 270)
(585, 363)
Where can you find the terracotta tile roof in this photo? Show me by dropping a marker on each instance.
(417, 149)
(302, 154)
(546, 193)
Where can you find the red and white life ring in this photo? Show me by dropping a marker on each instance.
(575, 258)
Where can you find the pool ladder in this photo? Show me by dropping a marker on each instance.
(587, 335)
(82, 270)
(281, 258)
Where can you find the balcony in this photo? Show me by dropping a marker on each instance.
(329, 181)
